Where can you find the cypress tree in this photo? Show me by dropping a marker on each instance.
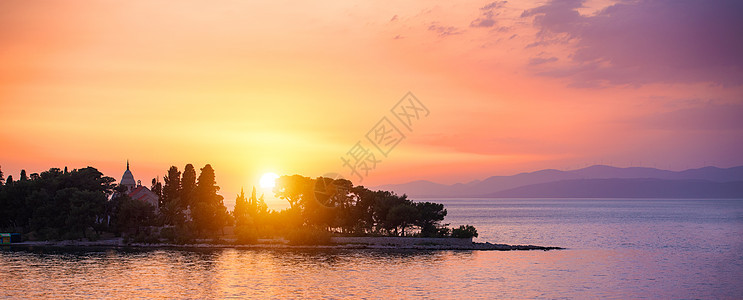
(208, 210)
(188, 186)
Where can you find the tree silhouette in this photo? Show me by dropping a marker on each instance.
(429, 217)
(209, 212)
(294, 189)
(157, 188)
(463, 231)
(188, 186)
(56, 204)
(241, 211)
(172, 187)
(402, 216)
(252, 203)
(171, 207)
(134, 214)
(87, 210)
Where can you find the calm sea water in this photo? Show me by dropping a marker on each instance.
(617, 249)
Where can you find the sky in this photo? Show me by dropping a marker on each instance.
(297, 87)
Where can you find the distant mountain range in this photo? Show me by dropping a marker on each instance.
(592, 182)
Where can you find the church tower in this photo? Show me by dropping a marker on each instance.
(128, 179)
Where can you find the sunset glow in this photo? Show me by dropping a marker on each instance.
(361, 149)
(292, 86)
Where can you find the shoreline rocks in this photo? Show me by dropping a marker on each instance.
(382, 243)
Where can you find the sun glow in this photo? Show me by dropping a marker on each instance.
(268, 180)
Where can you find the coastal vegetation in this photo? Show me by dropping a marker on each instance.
(84, 204)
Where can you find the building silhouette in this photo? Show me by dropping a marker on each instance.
(136, 190)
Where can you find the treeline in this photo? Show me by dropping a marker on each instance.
(58, 204)
(83, 203)
(339, 206)
(191, 203)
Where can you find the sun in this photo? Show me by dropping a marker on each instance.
(268, 180)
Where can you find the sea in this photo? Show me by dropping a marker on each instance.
(615, 249)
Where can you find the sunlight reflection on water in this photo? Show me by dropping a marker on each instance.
(225, 273)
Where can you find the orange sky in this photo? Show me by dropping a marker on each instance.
(290, 87)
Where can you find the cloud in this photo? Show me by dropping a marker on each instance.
(444, 31)
(541, 60)
(494, 5)
(486, 18)
(483, 22)
(642, 42)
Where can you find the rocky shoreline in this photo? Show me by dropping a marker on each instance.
(392, 243)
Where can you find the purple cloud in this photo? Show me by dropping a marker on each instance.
(487, 14)
(485, 21)
(494, 5)
(641, 42)
(541, 60)
(444, 31)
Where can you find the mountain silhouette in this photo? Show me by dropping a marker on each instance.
(693, 181)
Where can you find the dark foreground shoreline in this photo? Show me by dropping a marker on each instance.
(392, 243)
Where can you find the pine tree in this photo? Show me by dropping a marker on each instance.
(23, 175)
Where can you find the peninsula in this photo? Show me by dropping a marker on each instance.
(85, 208)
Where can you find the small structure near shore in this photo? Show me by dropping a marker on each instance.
(9, 238)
